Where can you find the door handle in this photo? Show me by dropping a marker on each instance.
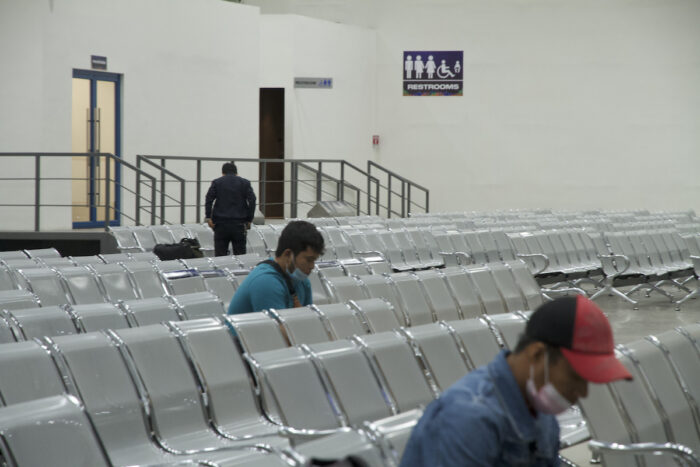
(98, 130)
(87, 130)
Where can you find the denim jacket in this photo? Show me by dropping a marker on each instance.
(483, 420)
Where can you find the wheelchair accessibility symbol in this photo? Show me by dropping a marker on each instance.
(444, 72)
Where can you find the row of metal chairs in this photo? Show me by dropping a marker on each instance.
(100, 282)
(34, 322)
(143, 238)
(405, 249)
(634, 422)
(450, 293)
(648, 259)
(180, 390)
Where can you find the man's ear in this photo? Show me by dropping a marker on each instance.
(536, 351)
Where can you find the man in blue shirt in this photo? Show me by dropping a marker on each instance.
(503, 414)
(229, 209)
(282, 282)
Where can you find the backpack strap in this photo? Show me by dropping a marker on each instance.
(287, 280)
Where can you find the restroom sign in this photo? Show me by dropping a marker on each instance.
(317, 83)
(432, 73)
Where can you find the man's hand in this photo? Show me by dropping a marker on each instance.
(210, 223)
(247, 225)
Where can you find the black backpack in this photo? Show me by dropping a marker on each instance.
(185, 249)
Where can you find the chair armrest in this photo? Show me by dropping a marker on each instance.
(533, 264)
(364, 253)
(696, 263)
(565, 290)
(673, 449)
(611, 268)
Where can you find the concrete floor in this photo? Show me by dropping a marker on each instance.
(656, 314)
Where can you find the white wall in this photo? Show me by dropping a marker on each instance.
(335, 123)
(571, 104)
(190, 79)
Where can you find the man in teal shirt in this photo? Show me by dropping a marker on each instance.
(282, 282)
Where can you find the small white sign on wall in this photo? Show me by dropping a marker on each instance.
(314, 83)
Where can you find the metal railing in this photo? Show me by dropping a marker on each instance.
(308, 181)
(111, 193)
(159, 190)
(406, 197)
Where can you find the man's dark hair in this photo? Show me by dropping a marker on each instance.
(229, 168)
(298, 236)
(525, 340)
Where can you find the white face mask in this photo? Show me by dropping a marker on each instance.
(547, 399)
(297, 274)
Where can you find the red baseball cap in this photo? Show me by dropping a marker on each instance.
(582, 332)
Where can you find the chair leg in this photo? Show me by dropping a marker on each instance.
(614, 291)
(654, 288)
(692, 294)
(681, 285)
(636, 288)
(687, 279)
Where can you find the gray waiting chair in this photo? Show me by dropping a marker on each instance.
(27, 372)
(475, 339)
(116, 282)
(165, 379)
(98, 316)
(294, 395)
(144, 237)
(144, 312)
(510, 291)
(437, 349)
(43, 253)
(95, 365)
(220, 283)
(464, 292)
(342, 321)
(353, 383)
(344, 288)
(257, 332)
(394, 358)
(60, 427)
(146, 278)
(668, 394)
(46, 285)
(443, 305)
(15, 299)
(487, 289)
(198, 305)
(381, 286)
(508, 328)
(302, 325)
(413, 298)
(82, 285)
(377, 314)
(44, 321)
(12, 254)
(231, 402)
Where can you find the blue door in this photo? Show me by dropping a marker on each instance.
(96, 128)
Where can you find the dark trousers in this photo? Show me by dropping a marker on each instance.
(225, 233)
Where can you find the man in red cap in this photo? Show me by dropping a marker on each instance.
(503, 414)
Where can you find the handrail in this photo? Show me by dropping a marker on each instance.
(372, 193)
(165, 171)
(119, 163)
(345, 178)
(406, 187)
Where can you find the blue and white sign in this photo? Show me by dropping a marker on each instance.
(316, 83)
(432, 73)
